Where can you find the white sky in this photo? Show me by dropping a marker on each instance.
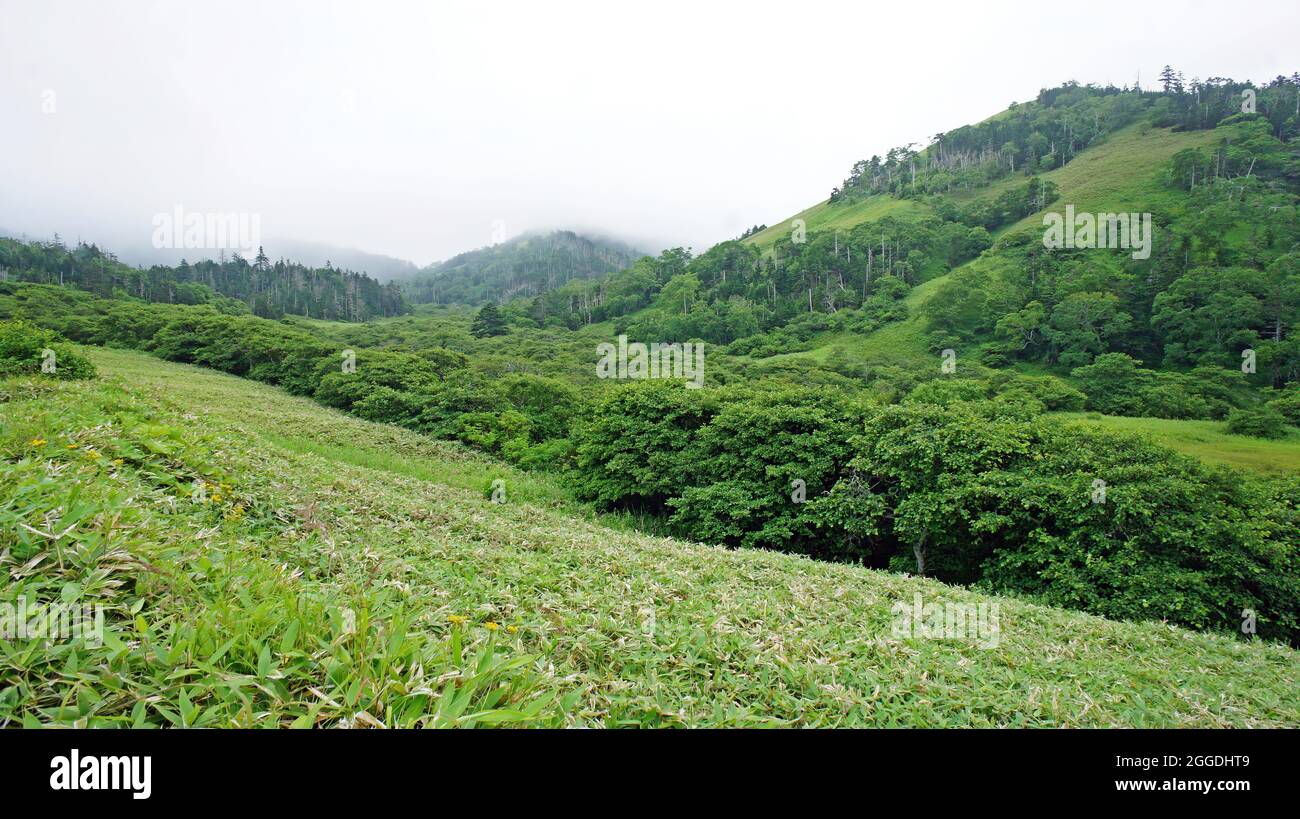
(408, 128)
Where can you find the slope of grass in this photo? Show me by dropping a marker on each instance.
(1210, 441)
(901, 343)
(1124, 173)
(825, 216)
(351, 573)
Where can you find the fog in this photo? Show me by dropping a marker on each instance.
(422, 129)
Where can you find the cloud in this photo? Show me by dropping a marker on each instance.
(412, 129)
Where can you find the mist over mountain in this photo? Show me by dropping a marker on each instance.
(524, 266)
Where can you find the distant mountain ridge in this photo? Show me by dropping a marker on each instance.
(524, 266)
(234, 284)
(378, 266)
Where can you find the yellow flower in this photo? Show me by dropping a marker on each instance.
(37, 442)
(72, 446)
(92, 454)
(512, 629)
(457, 620)
(491, 626)
(118, 461)
(216, 497)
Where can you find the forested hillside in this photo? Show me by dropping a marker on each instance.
(1220, 185)
(1051, 131)
(266, 288)
(524, 266)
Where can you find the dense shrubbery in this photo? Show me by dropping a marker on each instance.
(959, 487)
(1288, 403)
(1116, 384)
(1014, 506)
(23, 351)
(522, 417)
(733, 466)
(1261, 422)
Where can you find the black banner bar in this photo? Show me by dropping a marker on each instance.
(301, 769)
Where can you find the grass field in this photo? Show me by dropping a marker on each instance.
(348, 573)
(824, 216)
(1209, 441)
(1103, 178)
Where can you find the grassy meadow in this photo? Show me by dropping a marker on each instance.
(1210, 441)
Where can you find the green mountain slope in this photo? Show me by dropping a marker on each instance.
(343, 572)
(522, 267)
(832, 216)
(1127, 168)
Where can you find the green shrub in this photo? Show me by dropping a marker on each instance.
(632, 451)
(1055, 394)
(1014, 507)
(756, 470)
(1114, 383)
(1170, 399)
(405, 372)
(946, 391)
(388, 405)
(29, 350)
(1289, 405)
(1259, 422)
(1020, 402)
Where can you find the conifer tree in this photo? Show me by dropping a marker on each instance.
(488, 322)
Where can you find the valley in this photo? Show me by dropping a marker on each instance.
(923, 468)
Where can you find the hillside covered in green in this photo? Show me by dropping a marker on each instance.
(345, 573)
(904, 389)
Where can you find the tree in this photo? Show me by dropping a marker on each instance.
(488, 322)
(1083, 324)
(1113, 383)
(1024, 327)
(1259, 422)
